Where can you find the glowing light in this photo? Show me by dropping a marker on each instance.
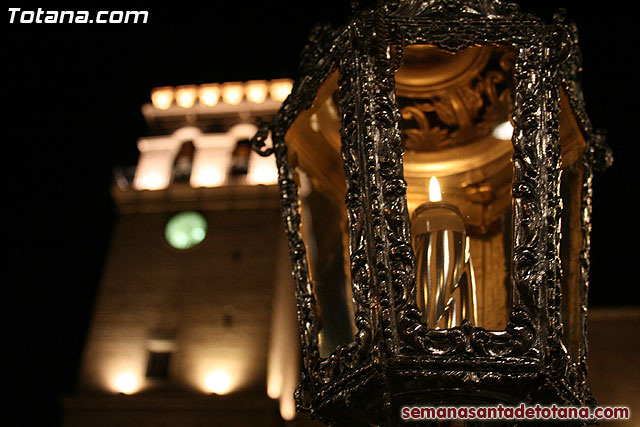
(256, 91)
(162, 97)
(280, 89)
(262, 173)
(151, 181)
(434, 190)
(314, 122)
(185, 230)
(274, 384)
(503, 131)
(126, 383)
(186, 96)
(232, 93)
(209, 94)
(209, 176)
(218, 382)
(288, 408)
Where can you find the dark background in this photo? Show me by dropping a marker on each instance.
(75, 93)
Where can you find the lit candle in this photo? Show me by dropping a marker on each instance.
(445, 282)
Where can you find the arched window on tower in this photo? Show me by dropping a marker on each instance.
(183, 162)
(240, 160)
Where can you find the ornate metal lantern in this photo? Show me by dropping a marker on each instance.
(473, 292)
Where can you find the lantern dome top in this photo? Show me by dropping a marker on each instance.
(450, 26)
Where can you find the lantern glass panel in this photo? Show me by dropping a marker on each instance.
(314, 150)
(572, 144)
(455, 127)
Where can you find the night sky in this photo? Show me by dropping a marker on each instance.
(75, 93)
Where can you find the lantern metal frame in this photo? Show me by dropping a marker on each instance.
(395, 359)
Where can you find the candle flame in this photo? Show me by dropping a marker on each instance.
(434, 190)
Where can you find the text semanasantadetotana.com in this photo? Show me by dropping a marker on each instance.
(40, 16)
(522, 412)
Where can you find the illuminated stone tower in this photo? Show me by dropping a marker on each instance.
(195, 319)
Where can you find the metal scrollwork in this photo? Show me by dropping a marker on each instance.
(258, 142)
(392, 347)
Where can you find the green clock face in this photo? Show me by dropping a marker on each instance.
(185, 230)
